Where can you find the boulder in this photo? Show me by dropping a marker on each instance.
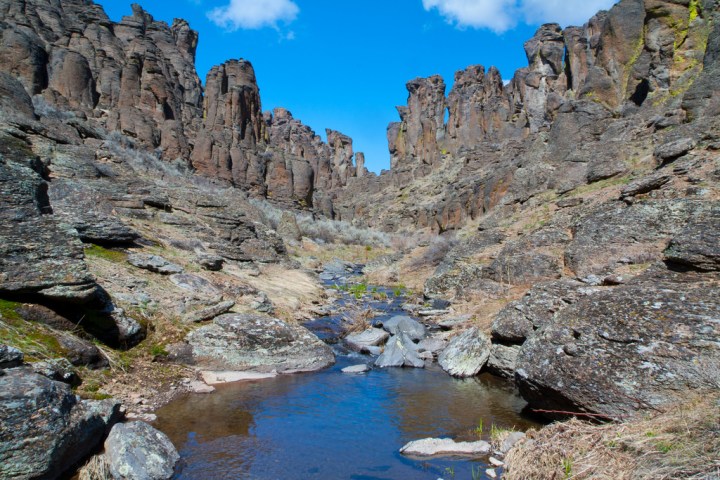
(503, 360)
(520, 318)
(101, 229)
(154, 263)
(445, 447)
(46, 428)
(258, 343)
(632, 348)
(213, 263)
(400, 351)
(645, 185)
(58, 369)
(372, 337)
(466, 354)
(697, 246)
(434, 345)
(135, 450)
(10, 357)
(674, 149)
(401, 323)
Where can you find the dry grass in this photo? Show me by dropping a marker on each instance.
(357, 319)
(681, 443)
(96, 468)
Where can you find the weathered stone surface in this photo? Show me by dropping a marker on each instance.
(288, 227)
(637, 346)
(58, 369)
(466, 354)
(400, 351)
(645, 185)
(154, 263)
(503, 360)
(209, 313)
(371, 337)
(259, 343)
(674, 149)
(45, 428)
(444, 447)
(698, 244)
(102, 230)
(403, 324)
(214, 263)
(519, 319)
(434, 345)
(10, 357)
(362, 368)
(137, 450)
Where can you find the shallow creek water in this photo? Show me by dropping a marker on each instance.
(330, 425)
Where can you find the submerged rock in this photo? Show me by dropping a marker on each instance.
(433, 447)
(135, 450)
(259, 343)
(45, 427)
(466, 354)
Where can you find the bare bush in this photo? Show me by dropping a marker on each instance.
(44, 109)
(434, 253)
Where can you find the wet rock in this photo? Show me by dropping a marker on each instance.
(403, 324)
(209, 313)
(444, 447)
(520, 318)
(466, 354)
(153, 263)
(503, 360)
(400, 351)
(197, 386)
(10, 357)
(137, 450)
(362, 368)
(228, 376)
(372, 337)
(631, 348)
(46, 429)
(257, 343)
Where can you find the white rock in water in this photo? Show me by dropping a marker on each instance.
(490, 472)
(196, 386)
(216, 378)
(431, 447)
(495, 462)
(356, 369)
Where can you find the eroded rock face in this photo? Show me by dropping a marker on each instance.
(45, 428)
(635, 347)
(259, 343)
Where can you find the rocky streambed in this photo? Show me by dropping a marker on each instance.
(351, 420)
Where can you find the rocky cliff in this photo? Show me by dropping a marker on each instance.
(592, 100)
(138, 77)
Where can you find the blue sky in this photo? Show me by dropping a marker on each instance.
(343, 64)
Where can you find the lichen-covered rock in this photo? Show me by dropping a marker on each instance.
(135, 450)
(698, 244)
(520, 318)
(154, 263)
(634, 347)
(259, 343)
(45, 428)
(466, 354)
(503, 360)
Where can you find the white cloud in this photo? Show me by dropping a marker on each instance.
(252, 14)
(564, 12)
(502, 15)
(497, 15)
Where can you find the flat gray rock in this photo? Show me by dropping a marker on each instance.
(362, 368)
(445, 447)
(153, 263)
(135, 450)
(372, 337)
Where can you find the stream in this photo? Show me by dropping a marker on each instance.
(332, 425)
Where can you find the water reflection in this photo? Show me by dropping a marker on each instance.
(332, 425)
